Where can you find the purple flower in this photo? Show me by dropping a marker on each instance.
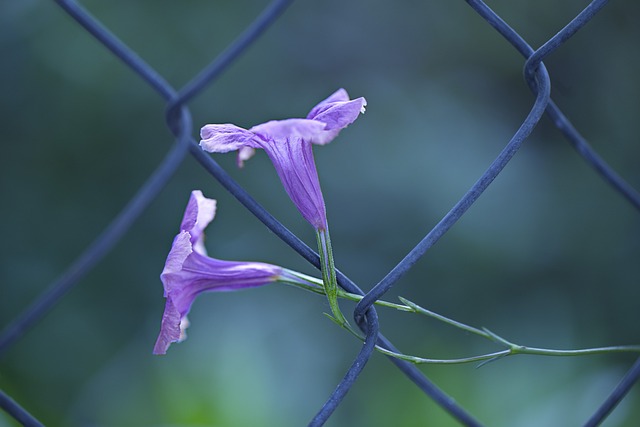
(188, 272)
(288, 145)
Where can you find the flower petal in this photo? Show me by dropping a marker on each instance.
(180, 250)
(280, 130)
(170, 330)
(224, 138)
(294, 163)
(199, 213)
(244, 154)
(340, 95)
(337, 112)
(339, 115)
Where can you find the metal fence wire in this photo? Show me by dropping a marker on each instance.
(178, 119)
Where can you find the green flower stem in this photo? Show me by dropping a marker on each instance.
(316, 285)
(329, 277)
(512, 348)
(485, 358)
(420, 310)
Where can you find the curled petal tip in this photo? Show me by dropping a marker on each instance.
(224, 138)
(363, 109)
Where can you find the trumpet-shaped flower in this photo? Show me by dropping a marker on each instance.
(188, 272)
(288, 145)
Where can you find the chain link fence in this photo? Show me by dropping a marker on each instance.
(181, 124)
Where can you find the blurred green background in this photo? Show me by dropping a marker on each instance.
(549, 256)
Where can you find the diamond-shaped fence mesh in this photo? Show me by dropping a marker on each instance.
(394, 161)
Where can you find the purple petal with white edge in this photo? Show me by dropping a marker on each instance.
(180, 250)
(199, 213)
(337, 112)
(224, 138)
(339, 115)
(188, 273)
(340, 95)
(168, 332)
(289, 128)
